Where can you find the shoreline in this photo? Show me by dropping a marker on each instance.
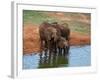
(31, 39)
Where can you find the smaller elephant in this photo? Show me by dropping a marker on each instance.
(63, 45)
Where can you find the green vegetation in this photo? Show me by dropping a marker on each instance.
(82, 28)
(77, 21)
(36, 17)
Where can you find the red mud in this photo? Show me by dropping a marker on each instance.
(77, 39)
(31, 39)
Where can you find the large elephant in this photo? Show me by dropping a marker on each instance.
(48, 34)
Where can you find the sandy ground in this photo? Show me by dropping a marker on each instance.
(31, 39)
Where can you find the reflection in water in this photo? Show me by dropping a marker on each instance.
(78, 56)
(53, 60)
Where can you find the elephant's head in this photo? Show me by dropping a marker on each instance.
(52, 33)
(62, 43)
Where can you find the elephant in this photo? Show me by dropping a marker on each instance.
(64, 31)
(54, 36)
(63, 45)
(48, 34)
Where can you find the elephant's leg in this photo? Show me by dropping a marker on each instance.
(40, 55)
(60, 51)
(45, 44)
(45, 53)
(54, 50)
(68, 47)
(55, 47)
(64, 51)
(48, 46)
(41, 48)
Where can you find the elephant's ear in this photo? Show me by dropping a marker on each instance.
(48, 36)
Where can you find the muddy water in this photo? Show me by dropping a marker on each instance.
(78, 56)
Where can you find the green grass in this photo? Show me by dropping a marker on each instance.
(37, 17)
(80, 27)
(77, 15)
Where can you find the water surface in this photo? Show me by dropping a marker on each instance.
(78, 56)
